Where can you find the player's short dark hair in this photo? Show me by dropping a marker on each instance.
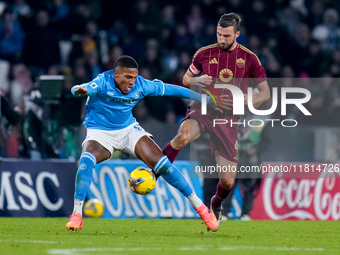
(230, 20)
(126, 61)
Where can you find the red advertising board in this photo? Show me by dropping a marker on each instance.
(311, 195)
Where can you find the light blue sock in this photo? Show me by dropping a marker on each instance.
(173, 176)
(84, 175)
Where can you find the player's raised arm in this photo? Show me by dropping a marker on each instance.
(79, 90)
(174, 90)
(85, 89)
(159, 88)
(90, 88)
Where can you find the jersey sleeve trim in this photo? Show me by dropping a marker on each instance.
(163, 88)
(205, 48)
(252, 53)
(156, 80)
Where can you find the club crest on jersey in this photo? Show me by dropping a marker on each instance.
(240, 62)
(136, 95)
(226, 75)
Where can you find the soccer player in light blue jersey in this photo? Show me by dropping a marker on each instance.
(111, 126)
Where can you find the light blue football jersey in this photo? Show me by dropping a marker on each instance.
(108, 109)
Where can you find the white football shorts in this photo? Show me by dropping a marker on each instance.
(124, 139)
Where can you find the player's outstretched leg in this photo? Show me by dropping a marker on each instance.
(174, 177)
(83, 180)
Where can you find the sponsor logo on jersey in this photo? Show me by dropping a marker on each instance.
(123, 101)
(226, 75)
(213, 61)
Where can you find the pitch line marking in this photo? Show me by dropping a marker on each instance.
(28, 241)
(76, 251)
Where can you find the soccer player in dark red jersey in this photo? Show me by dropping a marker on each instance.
(224, 62)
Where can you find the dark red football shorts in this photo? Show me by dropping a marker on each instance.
(223, 137)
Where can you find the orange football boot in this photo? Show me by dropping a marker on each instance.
(75, 222)
(208, 217)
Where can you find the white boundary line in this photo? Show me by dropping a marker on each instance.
(27, 241)
(76, 251)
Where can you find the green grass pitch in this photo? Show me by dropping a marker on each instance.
(36, 236)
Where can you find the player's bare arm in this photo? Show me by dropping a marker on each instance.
(263, 95)
(191, 79)
(186, 78)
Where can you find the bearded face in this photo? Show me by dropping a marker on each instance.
(226, 37)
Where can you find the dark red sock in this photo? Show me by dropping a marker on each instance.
(170, 152)
(220, 195)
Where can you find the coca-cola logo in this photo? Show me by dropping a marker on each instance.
(305, 199)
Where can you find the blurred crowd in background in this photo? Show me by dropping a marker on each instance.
(81, 38)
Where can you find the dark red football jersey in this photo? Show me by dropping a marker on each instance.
(229, 66)
(236, 67)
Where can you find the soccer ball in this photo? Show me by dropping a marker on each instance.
(142, 181)
(94, 208)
